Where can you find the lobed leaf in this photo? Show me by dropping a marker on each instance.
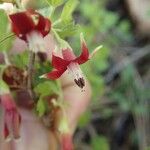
(4, 32)
(55, 3)
(40, 107)
(68, 10)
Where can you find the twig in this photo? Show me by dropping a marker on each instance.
(30, 72)
(142, 119)
(126, 61)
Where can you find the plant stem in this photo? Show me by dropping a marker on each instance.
(52, 12)
(7, 62)
(30, 72)
(62, 43)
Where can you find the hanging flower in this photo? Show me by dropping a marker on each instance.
(12, 118)
(31, 27)
(71, 63)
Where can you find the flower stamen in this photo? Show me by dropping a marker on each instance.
(76, 72)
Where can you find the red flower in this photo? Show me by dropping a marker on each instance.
(31, 27)
(71, 63)
(12, 118)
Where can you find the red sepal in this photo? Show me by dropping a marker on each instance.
(84, 55)
(55, 74)
(23, 23)
(59, 63)
(68, 54)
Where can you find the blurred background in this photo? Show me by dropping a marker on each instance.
(118, 117)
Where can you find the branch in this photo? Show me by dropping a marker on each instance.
(30, 72)
(132, 59)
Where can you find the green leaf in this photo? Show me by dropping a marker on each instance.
(85, 119)
(55, 3)
(3, 88)
(67, 29)
(46, 11)
(66, 25)
(46, 88)
(68, 10)
(21, 60)
(100, 143)
(5, 32)
(2, 66)
(41, 108)
(148, 148)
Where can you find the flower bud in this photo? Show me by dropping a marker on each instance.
(12, 118)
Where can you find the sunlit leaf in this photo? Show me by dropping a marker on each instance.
(67, 29)
(68, 10)
(55, 3)
(3, 88)
(40, 107)
(46, 88)
(4, 32)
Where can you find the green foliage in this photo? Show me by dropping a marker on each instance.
(100, 143)
(46, 88)
(68, 9)
(4, 32)
(55, 3)
(101, 58)
(148, 148)
(4, 89)
(43, 89)
(103, 20)
(21, 60)
(65, 25)
(129, 94)
(103, 23)
(84, 119)
(41, 107)
(67, 29)
(46, 11)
